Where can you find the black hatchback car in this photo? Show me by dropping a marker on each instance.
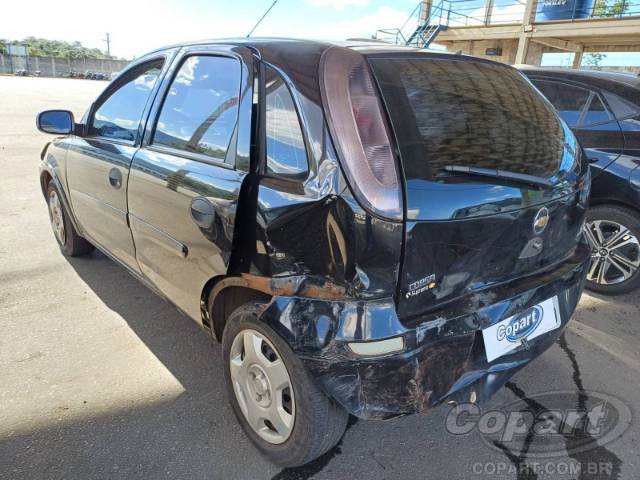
(368, 230)
(603, 110)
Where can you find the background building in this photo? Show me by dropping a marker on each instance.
(523, 31)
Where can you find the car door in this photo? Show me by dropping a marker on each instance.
(185, 181)
(98, 161)
(595, 127)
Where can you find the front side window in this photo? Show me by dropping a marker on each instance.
(200, 111)
(286, 154)
(119, 115)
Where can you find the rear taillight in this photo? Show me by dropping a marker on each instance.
(360, 132)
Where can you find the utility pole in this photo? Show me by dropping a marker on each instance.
(108, 40)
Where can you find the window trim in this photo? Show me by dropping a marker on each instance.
(176, 152)
(264, 172)
(115, 86)
(596, 95)
(197, 157)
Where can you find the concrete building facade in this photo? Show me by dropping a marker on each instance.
(582, 26)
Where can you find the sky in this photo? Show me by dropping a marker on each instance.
(611, 59)
(138, 26)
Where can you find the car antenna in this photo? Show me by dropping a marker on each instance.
(262, 18)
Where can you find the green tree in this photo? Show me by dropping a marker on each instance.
(42, 47)
(605, 8)
(593, 59)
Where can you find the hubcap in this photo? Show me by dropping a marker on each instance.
(615, 252)
(57, 219)
(262, 386)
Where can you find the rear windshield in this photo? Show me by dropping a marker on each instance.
(449, 112)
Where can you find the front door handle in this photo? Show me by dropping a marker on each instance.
(202, 212)
(115, 178)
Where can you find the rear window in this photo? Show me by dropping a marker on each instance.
(448, 112)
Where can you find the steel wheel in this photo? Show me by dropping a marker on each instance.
(262, 386)
(615, 252)
(57, 217)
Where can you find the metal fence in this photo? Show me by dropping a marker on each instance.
(58, 67)
(460, 13)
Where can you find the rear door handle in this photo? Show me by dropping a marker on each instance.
(202, 212)
(115, 178)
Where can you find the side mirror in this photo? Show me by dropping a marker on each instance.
(59, 122)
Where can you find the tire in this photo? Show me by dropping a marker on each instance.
(71, 244)
(612, 219)
(318, 423)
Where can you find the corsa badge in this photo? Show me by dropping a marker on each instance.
(422, 285)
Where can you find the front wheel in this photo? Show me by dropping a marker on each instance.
(278, 404)
(613, 234)
(71, 244)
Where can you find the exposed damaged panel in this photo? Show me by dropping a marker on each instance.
(443, 359)
(314, 226)
(440, 267)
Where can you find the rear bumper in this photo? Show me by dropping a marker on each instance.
(443, 357)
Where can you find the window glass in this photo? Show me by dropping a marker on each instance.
(470, 114)
(597, 113)
(568, 100)
(200, 110)
(120, 114)
(286, 154)
(621, 108)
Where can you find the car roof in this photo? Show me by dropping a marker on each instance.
(298, 59)
(597, 78)
(261, 44)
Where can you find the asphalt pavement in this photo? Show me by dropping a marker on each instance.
(100, 378)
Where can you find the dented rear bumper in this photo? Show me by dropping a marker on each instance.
(443, 356)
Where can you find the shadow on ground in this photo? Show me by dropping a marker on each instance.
(195, 435)
(185, 437)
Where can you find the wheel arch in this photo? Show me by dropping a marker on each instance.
(603, 201)
(222, 295)
(45, 178)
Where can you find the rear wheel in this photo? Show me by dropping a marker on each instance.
(614, 237)
(71, 244)
(280, 407)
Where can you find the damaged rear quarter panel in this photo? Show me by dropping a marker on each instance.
(444, 357)
(315, 227)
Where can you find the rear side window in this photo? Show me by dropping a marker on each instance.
(579, 107)
(621, 108)
(118, 116)
(596, 113)
(470, 114)
(567, 99)
(200, 111)
(286, 154)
